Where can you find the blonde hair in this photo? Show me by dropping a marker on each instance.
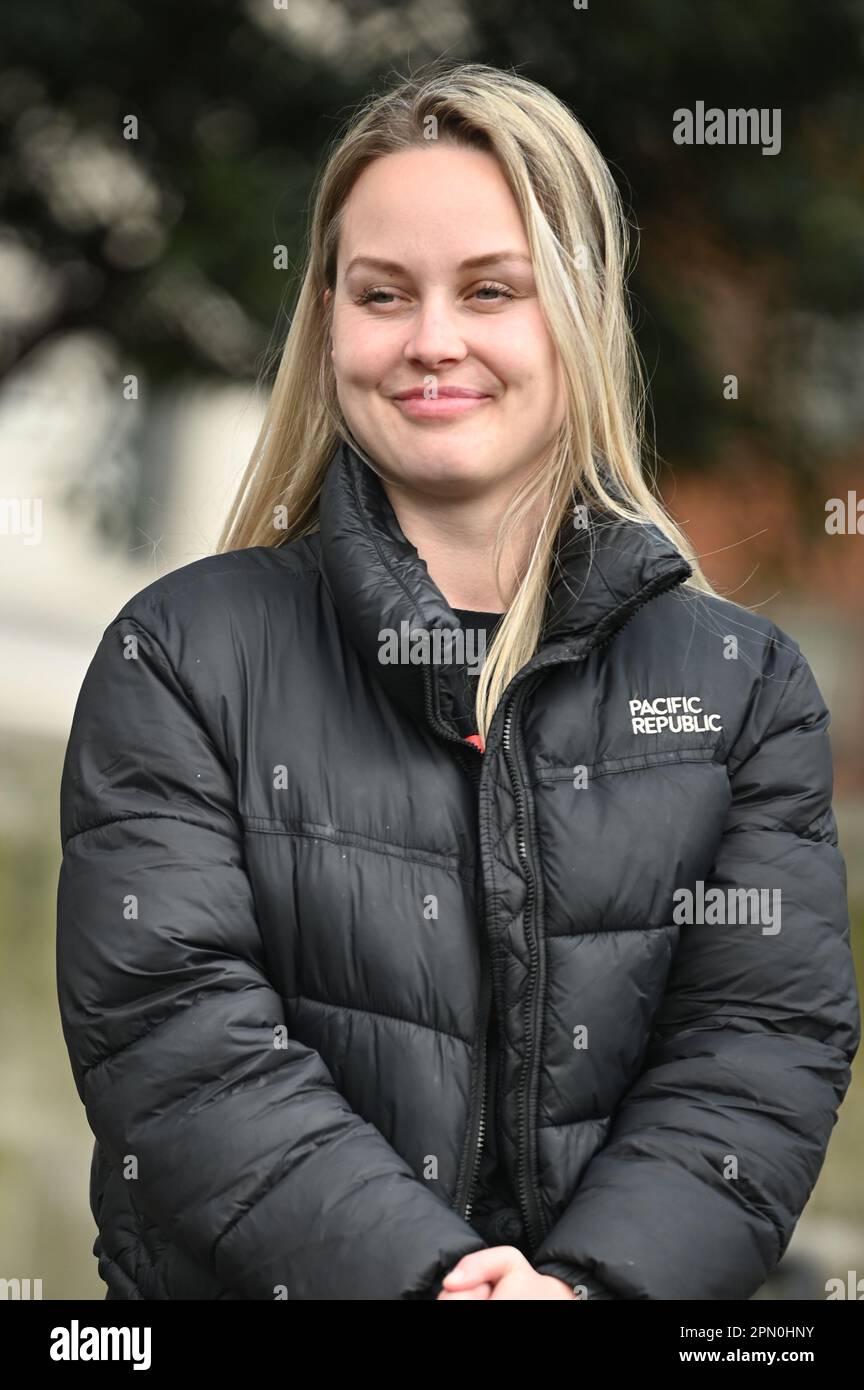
(578, 238)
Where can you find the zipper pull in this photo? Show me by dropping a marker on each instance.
(476, 740)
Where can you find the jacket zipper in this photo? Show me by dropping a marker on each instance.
(487, 994)
(477, 1128)
(527, 1199)
(477, 1150)
(470, 756)
(534, 1222)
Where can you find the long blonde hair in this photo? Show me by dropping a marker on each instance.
(579, 241)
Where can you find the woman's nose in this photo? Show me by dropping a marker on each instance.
(435, 333)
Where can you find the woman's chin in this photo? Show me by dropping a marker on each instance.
(457, 476)
(439, 461)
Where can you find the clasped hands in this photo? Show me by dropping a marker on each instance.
(502, 1271)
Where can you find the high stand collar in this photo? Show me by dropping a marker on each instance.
(378, 581)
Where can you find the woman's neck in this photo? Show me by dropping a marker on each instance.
(456, 539)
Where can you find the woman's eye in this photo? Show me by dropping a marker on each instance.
(496, 289)
(377, 296)
(367, 296)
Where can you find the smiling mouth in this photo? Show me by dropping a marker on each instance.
(439, 407)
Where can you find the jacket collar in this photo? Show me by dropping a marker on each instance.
(378, 581)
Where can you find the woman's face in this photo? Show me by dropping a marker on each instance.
(414, 308)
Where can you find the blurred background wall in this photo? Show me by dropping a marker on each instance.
(155, 165)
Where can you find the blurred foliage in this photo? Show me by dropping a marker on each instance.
(166, 242)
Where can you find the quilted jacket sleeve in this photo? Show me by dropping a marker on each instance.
(715, 1149)
(247, 1157)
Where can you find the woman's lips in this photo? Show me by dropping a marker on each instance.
(439, 407)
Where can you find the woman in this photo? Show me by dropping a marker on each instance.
(377, 985)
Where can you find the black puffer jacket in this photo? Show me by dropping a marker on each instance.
(289, 889)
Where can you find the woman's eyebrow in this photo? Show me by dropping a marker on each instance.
(472, 263)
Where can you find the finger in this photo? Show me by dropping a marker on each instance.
(479, 1291)
(483, 1265)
